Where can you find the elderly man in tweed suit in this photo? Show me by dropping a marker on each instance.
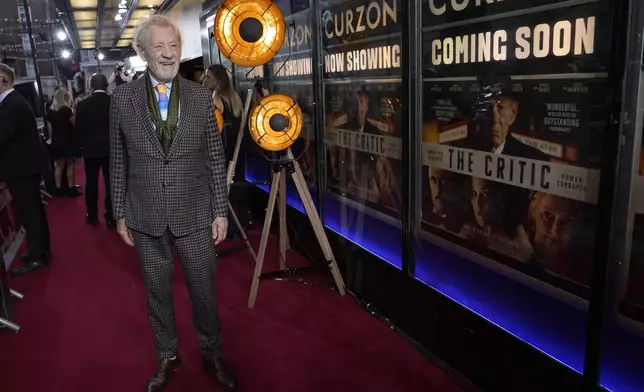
(169, 189)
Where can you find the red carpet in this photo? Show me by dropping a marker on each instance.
(85, 329)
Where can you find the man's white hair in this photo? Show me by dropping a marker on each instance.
(140, 42)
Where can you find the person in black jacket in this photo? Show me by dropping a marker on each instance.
(22, 160)
(93, 131)
(63, 149)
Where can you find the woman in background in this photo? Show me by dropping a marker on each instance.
(60, 124)
(226, 99)
(228, 102)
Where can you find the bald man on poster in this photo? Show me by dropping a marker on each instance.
(169, 190)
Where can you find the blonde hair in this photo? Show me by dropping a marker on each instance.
(59, 101)
(8, 72)
(140, 41)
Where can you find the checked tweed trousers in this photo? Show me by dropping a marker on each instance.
(199, 264)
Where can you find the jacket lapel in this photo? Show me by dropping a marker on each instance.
(140, 104)
(185, 114)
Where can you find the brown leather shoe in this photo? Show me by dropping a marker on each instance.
(221, 374)
(161, 377)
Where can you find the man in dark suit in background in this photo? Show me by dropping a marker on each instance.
(22, 160)
(93, 130)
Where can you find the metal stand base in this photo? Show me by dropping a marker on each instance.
(8, 324)
(293, 275)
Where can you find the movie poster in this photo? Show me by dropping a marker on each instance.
(514, 111)
(509, 169)
(363, 137)
(363, 103)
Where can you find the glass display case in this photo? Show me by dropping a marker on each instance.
(363, 109)
(473, 145)
(622, 349)
(514, 110)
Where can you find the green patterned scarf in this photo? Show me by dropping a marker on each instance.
(168, 128)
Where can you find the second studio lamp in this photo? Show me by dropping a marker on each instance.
(276, 122)
(249, 32)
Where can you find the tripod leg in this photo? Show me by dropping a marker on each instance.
(240, 135)
(283, 232)
(253, 258)
(264, 241)
(16, 294)
(318, 228)
(10, 325)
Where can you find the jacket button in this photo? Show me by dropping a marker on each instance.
(163, 185)
(166, 162)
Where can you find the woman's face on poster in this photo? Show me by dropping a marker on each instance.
(553, 224)
(482, 202)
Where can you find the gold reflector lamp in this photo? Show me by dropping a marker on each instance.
(249, 32)
(276, 122)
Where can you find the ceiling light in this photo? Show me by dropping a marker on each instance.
(118, 17)
(85, 15)
(122, 11)
(65, 54)
(61, 35)
(101, 56)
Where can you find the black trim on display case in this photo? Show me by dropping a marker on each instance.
(318, 98)
(412, 88)
(605, 254)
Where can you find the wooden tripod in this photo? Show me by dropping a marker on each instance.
(231, 173)
(278, 185)
(253, 95)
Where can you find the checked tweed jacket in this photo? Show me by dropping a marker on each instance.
(183, 190)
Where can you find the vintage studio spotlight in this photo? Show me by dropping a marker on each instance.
(250, 33)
